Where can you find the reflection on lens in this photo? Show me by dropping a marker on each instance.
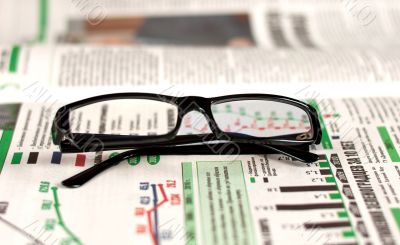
(125, 117)
(261, 118)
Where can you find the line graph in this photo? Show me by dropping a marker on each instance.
(71, 236)
(153, 220)
(240, 120)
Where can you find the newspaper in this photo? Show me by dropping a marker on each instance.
(340, 56)
(88, 65)
(275, 24)
(348, 196)
(207, 43)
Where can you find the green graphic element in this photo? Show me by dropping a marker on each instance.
(16, 159)
(228, 108)
(348, 234)
(44, 186)
(224, 203)
(13, 65)
(330, 179)
(43, 16)
(324, 164)
(335, 196)
(46, 204)
(396, 216)
(387, 141)
(50, 224)
(5, 143)
(252, 180)
(153, 159)
(6, 85)
(188, 197)
(135, 160)
(342, 214)
(242, 111)
(72, 238)
(325, 141)
(257, 115)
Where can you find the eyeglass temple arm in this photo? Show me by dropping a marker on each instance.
(86, 175)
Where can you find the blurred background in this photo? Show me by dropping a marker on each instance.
(169, 42)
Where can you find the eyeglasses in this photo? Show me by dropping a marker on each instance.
(157, 124)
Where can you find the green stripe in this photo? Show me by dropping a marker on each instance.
(387, 141)
(325, 141)
(12, 67)
(188, 197)
(5, 143)
(396, 215)
(43, 15)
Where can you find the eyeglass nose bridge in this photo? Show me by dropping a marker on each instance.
(201, 105)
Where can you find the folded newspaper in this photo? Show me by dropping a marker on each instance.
(340, 56)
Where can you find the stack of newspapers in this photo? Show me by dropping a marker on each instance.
(340, 56)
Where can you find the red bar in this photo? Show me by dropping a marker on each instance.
(80, 160)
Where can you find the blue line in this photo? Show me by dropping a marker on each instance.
(155, 201)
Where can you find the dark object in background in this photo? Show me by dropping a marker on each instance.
(208, 30)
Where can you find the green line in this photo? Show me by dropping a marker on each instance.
(188, 197)
(326, 142)
(396, 216)
(60, 219)
(16, 159)
(5, 143)
(387, 141)
(13, 65)
(43, 15)
(252, 180)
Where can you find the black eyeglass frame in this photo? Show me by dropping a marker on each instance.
(84, 142)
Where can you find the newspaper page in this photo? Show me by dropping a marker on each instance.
(272, 24)
(88, 65)
(349, 196)
(207, 43)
